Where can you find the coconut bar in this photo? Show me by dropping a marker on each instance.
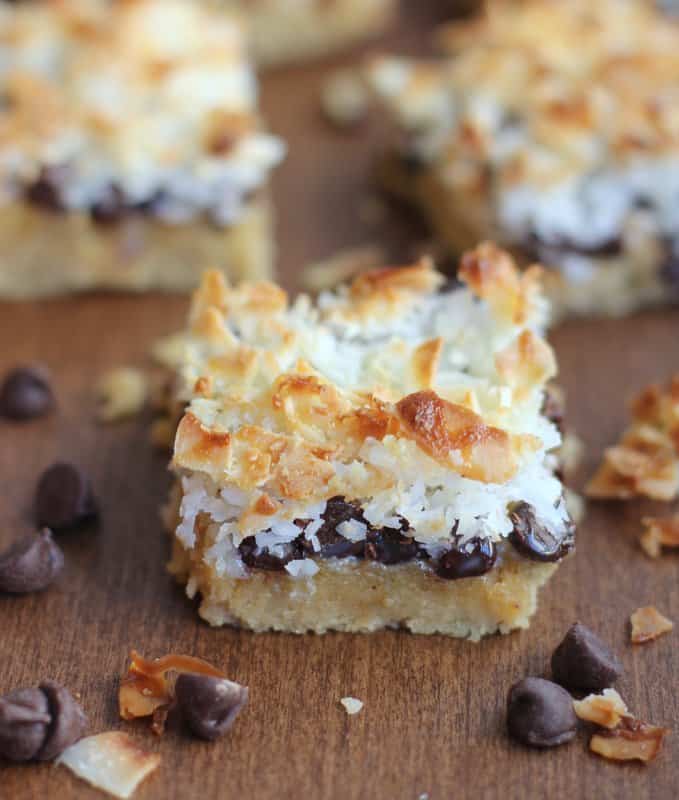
(284, 31)
(378, 458)
(131, 151)
(550, 127)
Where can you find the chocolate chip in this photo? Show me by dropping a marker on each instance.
(583, 661)
(39, 723)
(540, 713)
(26, 393)
(262, 558)
(30, 564)
(47, 191)
(24, 718)
(209, 705)
(536, 541)
(475, 558)
(68, 721)
(334, 545)
(110, 207)
(391, 546)
(64, 497)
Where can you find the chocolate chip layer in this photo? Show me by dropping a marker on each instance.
(475, 558)
(534, 540)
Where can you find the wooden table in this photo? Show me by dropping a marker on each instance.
(433, 720)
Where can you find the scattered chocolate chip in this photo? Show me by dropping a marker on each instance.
(583, 661)
(24, 718)
(536, 541)
(46, 191)
(391, 546)
(209, 705)
(475, 558)
(64, 497)
(68, 721)
(25, 394)
(257, 557)
(39, 724)
(110, 207)
(30, 564)
(540, 713)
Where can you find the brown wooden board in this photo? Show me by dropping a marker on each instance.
(433, 720)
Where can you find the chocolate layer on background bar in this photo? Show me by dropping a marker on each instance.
(282, 31)
(378, 458)
(130, 146)
(573, 161)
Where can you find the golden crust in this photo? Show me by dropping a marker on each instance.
(646, 461)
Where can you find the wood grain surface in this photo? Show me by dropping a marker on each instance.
(433, 721)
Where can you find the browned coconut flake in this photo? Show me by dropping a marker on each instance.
(648, 624)
(632, 740)
(111, 761)
(606, 709)
(660, 532)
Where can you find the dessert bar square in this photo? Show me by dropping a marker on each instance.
(284, 31)
(378, 458)
(550, 127)
(131, 151)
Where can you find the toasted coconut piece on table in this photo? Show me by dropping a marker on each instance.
(632, 740)
(646, 461)
(660, 532)
(606, 709)
(111, 761)
(648, 624)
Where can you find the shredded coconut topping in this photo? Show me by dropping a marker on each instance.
(152, 97)
(565, 149)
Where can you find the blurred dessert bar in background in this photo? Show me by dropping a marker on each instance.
(551, 127)
(284, 31)
(132, 155)
(378, 458)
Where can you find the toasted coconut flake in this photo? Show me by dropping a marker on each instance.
(352, 705)
(122, 393)
(632, 740)
(660, 532)
(146, 689)
(111, 762)
(646, 462)
(606, 709)
(344, 98)
(648, 623)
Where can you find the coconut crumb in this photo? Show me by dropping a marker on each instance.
(660, 532)
(632, 740)
(352, 705)
(606, 709)
(344, 98)
(122, 393)
(648, 624)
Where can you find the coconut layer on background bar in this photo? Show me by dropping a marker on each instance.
(378, 458)
(550, 127)
(132, 155)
